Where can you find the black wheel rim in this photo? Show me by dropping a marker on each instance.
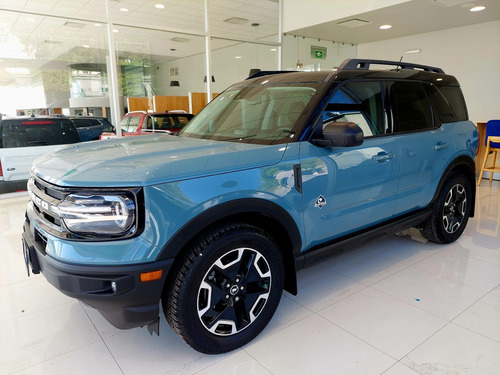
(455, 206)
(234, 291)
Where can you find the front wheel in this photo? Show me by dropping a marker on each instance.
(451, 211)
(226, 288)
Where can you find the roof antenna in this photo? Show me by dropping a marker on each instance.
(399, 62)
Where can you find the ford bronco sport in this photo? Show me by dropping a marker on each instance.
(276, 173)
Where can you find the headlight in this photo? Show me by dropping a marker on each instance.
(101, 215)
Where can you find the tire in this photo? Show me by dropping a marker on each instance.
(225, 288)
(451, 211)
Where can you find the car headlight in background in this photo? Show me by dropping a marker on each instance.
(98, 214)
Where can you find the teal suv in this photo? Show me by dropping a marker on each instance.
(276, 173)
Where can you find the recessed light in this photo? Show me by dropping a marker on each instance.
(86, 46)
(160, 6)
(273, 49)
(115, 30)
(417, 50)
(477, 8)
(97, 24)
(30, 19)
(238, 57)
(123, 10)
(385, 27)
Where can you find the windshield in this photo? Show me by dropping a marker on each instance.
(260, 114)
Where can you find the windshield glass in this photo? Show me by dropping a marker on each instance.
(260, 114)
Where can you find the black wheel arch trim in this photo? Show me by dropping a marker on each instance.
(246, 210)
(465, 165)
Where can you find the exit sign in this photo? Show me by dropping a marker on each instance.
(318, 52)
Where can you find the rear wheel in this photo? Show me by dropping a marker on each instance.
(451, 211)
(226, 288)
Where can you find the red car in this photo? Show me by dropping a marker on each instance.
(142, 123)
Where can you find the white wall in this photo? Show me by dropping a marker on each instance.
(303, 13)
(470, 53)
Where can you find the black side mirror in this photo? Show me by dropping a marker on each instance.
(340, 134)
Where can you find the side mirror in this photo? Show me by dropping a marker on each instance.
(340, 134)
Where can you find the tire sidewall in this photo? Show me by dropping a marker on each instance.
(196, 333)
(454, 180)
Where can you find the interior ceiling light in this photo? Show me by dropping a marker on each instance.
(417, 50)
(477, 8)
(97, 24)
(76, 25)
(353, 22)
(236, 20)
(123, 10)
(385, 27)
(160, 6)
(86, 46)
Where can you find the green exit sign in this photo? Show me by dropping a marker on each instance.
(318, 52)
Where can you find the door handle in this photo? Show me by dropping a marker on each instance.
(382, 157)
(440, 146)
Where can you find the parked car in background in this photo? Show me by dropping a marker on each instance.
(142, 123)
(23, 139)
(90, 128)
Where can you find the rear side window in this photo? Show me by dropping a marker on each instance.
(358, 102)
(411, 107)
(456, 100)
(84, 122)
(442, 107)
(19, 133)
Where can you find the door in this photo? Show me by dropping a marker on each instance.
(346, 189)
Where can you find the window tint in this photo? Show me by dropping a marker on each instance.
(410, 106)
(18, 133)
(358, 102)
(84, 122)
(443, 109)
(456, 100)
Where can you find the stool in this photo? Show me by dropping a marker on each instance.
(493, 168)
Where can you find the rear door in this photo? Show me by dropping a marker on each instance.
(425, 147)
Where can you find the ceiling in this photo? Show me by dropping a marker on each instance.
(52, 34)
(409, 18)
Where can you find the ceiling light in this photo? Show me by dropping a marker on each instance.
(477, 8)
(97, 24)
(16, 70)
(385, 27)
(123, 10)
(236, 20)
(418, 50)
(86, 46)
(30, 19)
(238, 57)
(76, 25)
(115, 30)
(273, 49)
(160, 6)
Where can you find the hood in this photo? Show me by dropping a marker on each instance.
(149, 160)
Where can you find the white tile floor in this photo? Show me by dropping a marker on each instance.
(398, 306)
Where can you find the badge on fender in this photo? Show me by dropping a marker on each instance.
(320, 202)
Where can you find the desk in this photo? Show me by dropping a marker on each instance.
(481, 129)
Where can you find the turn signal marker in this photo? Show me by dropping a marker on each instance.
(150, 276)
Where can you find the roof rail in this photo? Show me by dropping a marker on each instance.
(263, 73)
(354, 64)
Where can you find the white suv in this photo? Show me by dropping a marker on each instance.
(23, 139)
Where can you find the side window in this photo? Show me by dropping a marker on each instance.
(443, 109)
(410, 107)
(133, 124)
(455, 98)
(358, 102)
(124, 124)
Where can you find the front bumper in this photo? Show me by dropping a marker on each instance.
(116, 291)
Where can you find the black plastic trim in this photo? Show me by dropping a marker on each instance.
(133, 304)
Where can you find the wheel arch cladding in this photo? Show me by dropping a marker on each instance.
(463, 165)
(268, 216)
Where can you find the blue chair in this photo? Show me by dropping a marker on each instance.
(492, 144)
